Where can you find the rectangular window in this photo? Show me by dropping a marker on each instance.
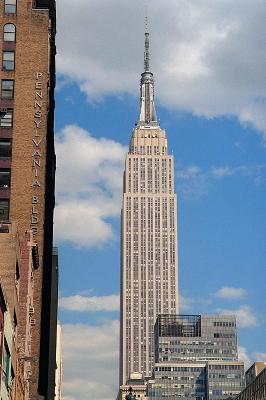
(6, 119)
(6, 363)
(5, 148)
(4, 210)
(10, 6)
(8, 60)
(4, 178)
(7, 89)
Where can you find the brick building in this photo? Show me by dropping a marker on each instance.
(27, 160)
(17, 269)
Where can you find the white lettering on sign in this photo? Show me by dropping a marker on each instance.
(37, 139)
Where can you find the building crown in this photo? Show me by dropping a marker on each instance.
(147, 107)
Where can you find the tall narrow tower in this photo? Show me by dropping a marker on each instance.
(148, 235)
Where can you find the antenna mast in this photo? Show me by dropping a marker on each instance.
(147, 41)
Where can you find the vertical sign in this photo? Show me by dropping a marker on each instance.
(37, 140)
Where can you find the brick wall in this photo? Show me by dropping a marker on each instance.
(29, 142)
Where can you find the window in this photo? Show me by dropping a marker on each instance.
(10, 6)
(17, 282)
(4, 178)
(9, 33)
(7, 89)
(8, 60)
(12, 379)
(4, 210)
(6, 118)
(5, 148)
(6, 363)
(217, 392)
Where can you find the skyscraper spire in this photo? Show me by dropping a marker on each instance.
(147, 108)
(147, 47)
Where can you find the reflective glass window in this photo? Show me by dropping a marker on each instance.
(5, 148)
(7, 89)
(4, 210)
(8, 60)
(6, 118)
(9, 33)
(5, 178)
(10, 6)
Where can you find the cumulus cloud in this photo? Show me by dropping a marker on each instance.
(185, 303)
(228, 292)
(245, 316)
(193, 181)
(93, 303)
(243, 356)
(90, 359)
(208, 56)
(259, 357)
(88, 186)
(192, 304)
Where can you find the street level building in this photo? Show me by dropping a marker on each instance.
(18, 263)
(196, 358)
(27, 158)
(138, 386)
(256, 387)
(255, 369)
(10, 272)
(148, 235)
(59, 366)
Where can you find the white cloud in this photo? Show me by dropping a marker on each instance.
(228, 292)
(222, 172)
(191, 304)
(193, 181)
(90, 359)
(208, 56)
(259, 356)
(243, 356)
(245, 316)
(92, 303)
(185, 303)
(88, 186)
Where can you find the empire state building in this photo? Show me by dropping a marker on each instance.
(149, 284)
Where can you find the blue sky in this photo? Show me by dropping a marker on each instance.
(210, 94)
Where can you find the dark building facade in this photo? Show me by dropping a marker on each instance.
(53, 326)
(27, 156)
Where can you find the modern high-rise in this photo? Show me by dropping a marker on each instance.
(149, 283)
(195, 338)
(27, 157)
(196, 358)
